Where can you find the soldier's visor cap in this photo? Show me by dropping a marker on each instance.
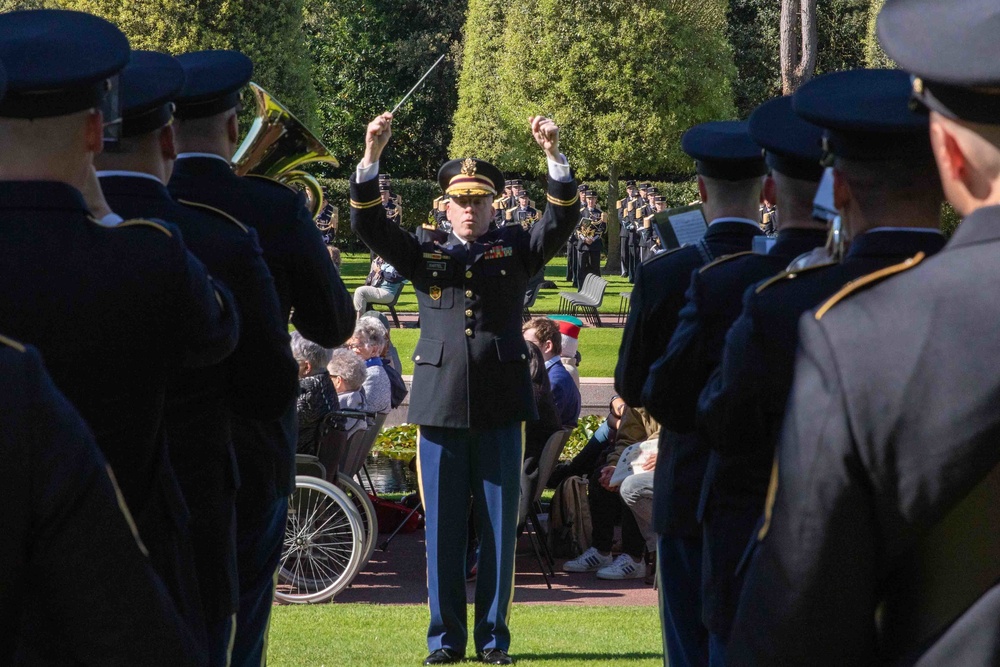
(866, 115)
(792, 145)
(629, 184)
(212, 82)
(469, 177)
(523, 194)
(149, 84)
(953, 52)
(724, 150)
(58, 62)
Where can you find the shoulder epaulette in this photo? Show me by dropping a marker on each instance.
(866, 281)
(140, 222)
(272, 180)
(661, 255)
(13, 344)
(649, 218)
(212, 209)
(790, 275)
(724, 259)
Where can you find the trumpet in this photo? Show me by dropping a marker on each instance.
(278, 145)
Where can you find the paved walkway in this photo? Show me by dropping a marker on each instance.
(398, 576)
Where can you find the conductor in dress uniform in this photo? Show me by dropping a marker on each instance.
(880, 543)
(730, 167)
(470, 285)
(129, 307)
(306, 280)
(257, 381)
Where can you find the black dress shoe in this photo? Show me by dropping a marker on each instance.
(495, 656)
(445, 656)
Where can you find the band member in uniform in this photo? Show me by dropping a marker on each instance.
(257, 381)
(729, 168)
(524, 213)
(306, 279)
(793, 153)
(593, 225)
(392, 211)
(473, 279)
(63, 517)
(880, 517)
(129, 306)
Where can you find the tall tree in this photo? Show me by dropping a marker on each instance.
(622, 91)
(799, 39)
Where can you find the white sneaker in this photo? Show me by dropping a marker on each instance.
(588, 561)
(623, 568)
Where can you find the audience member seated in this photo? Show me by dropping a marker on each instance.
(317, 396)
(347, 371)
(391, 355)
(585, 462)
(390, 362)
(381, 286)
(544, 333)
(607, 508)
(538, 431)
(368, 342)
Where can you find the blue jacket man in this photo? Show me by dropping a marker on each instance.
(545, 333)
(471, 385)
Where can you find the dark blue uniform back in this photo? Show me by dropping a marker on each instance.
(257, 381)
(116, 311)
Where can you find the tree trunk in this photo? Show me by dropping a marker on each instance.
(798, 43)
(614, 263)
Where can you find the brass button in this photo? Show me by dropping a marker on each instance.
(524, 356)
(417, 358)
(468, 313)
(503, 272)
(435, 274)
(468, 274)
(468, 294)
(468, 332)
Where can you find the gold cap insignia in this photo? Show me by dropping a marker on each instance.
(918, 85)
(435, 293)
(469, 167)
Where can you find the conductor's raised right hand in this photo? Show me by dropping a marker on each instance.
(376, 137)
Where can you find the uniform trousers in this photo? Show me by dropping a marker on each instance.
(571, 257)
(685, 638)
(453, 464)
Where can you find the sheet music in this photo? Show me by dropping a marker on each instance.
(688, 226)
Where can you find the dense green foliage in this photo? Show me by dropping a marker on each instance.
(874, 55)
(268, 31)
(364, 56)
(753, 32)
(615, 91)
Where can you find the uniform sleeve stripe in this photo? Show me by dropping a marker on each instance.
(563, 202)
(367, 204)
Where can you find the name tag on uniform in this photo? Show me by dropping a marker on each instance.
(499, 252)
(437, 266)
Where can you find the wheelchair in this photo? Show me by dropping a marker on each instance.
(332, 528)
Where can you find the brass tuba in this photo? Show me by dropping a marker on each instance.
(277, 145)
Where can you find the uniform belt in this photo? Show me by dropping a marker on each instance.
(952, 566)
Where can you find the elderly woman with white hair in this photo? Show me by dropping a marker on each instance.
(368, 342)
(317, 396)
(348, 372)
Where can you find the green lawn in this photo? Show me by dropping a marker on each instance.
(598, 350)
(354, 269)
(345, 635)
